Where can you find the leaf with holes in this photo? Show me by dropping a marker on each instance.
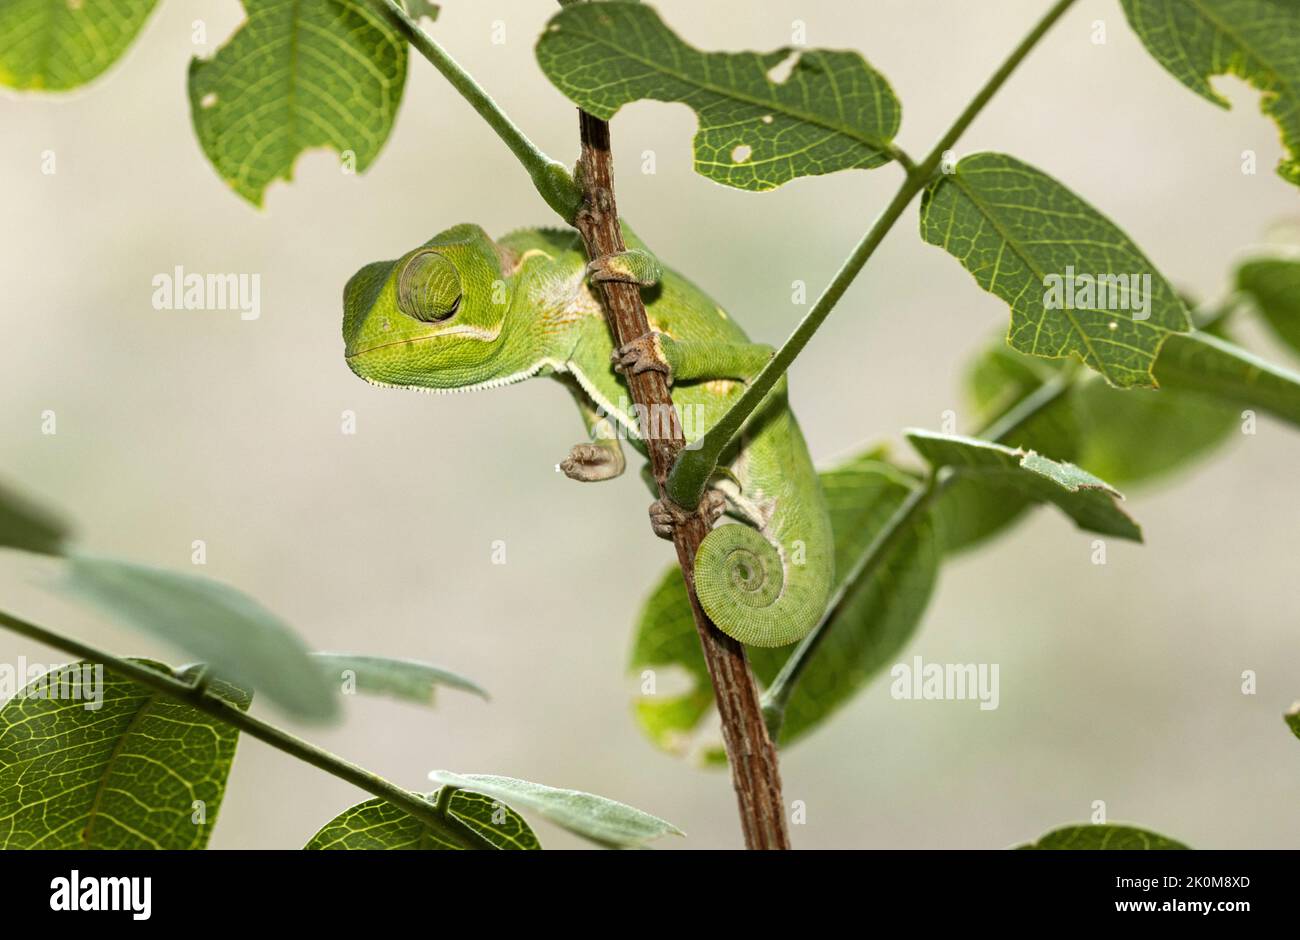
(378, 824)
(593, 817)
(1075, 283)
(876, 622)
(57, 45)
(1274, 286)
(1090, 502)
(1103, 837)
(90, 760)
(297, 75)
(1256, 40)
(833, 111)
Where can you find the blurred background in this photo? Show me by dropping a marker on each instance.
(1120, 682)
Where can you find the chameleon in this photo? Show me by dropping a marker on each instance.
(464, 312)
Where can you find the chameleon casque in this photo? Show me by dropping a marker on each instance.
(464, 312)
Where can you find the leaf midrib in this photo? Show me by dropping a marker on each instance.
(102, 785)
(983, 209)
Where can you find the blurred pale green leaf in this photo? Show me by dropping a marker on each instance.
(1103, 837)
(140, 771)
(1293, 719)
(25, 525)
(1202, 363)
(593, 817)
(294, 76)
(423, 8)
(1016, 230)
(218, 625)
(1258, 41)
(1274, 285)
(378, 824)
(833, 112)
(1089, 501)
(1131, 436)
(57, 45)
(407, 679)
(877, 621)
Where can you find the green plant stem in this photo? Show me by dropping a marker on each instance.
(435, 817)
(551, 178)
(917, 503)
(690, 474)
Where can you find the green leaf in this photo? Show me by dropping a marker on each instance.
(1104, 836)
(32, 528)
(1137, 435)
(1033, 243)
(1200, 362)
(1255, 40)
(593, 817)
(378, 824)
(407, 679)
(134, 772)
(1274, 285)
(876, 622)
(970, 511)
(833, 112)
(1292, 718)
(1090, 502)
(313, 73)
(55, 45)
(243, 642)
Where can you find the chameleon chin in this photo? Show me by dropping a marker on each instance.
(464, 312)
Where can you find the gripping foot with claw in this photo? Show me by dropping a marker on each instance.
(591, 463)
(629, 267)
(666, 516)
(643, 354)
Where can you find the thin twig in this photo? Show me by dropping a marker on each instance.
(443, 823)
(691, 474)
(755, 772)
(550, 177)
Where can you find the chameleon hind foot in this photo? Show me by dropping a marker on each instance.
(643, 354)
(666, 516)
(629, 267)
(591, 463)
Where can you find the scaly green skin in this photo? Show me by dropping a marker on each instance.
(464, 312)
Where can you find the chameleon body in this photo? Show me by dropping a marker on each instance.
(465, 312)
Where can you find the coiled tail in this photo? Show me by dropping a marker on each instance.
(762, 594)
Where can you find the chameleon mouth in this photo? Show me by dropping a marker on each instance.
(457, 389)
(481, 334)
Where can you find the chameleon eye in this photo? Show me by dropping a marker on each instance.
(428, 288)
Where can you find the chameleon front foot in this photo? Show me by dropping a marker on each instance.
(591, 463)
(629, 267)
(666, 516)
(643, 354)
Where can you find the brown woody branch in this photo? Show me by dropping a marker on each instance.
(755, 772)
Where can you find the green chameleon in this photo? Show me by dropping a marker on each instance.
(464, 312)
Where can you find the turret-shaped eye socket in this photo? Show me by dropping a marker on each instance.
(428, 288)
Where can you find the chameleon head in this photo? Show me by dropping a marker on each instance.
(431, 319)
